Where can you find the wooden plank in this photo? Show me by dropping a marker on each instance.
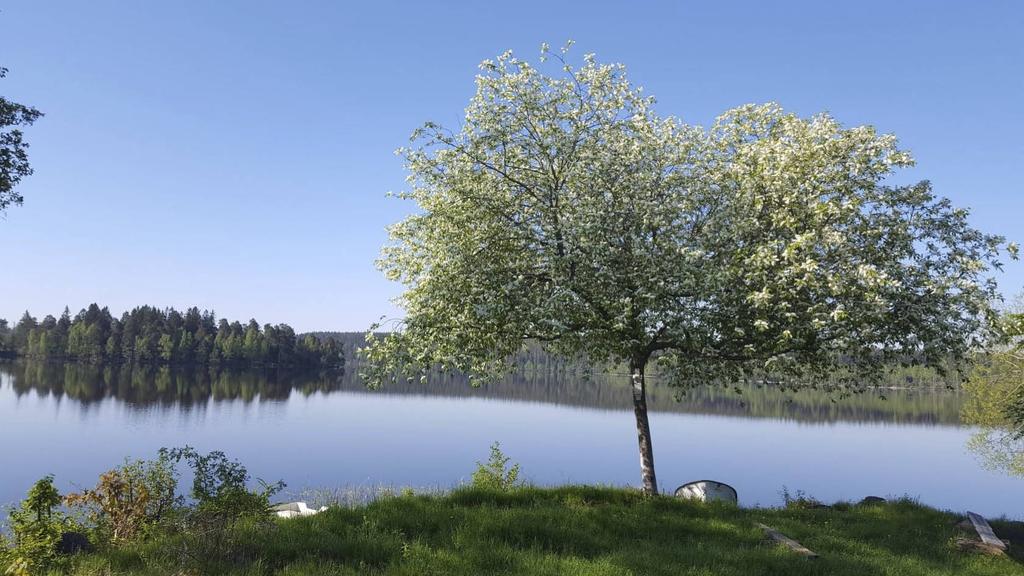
(787, 541)
(985, 531)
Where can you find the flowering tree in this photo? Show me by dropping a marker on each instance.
(13, 149)
(995, 400)
(566, 211)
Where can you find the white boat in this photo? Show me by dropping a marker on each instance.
(295, 509)
(707, 491)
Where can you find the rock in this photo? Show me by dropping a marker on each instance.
(73, 543)
(873, 500)
(707, 491)
(972, 545)
(786, 541)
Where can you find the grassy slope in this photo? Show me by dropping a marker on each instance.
(582, 531)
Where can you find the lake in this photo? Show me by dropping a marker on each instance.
(326, 431)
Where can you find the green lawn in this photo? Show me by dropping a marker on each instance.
(573, 531)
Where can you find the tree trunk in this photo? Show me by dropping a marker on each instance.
(643, 428)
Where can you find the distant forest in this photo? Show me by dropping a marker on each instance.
(149, 335)
(153, 336)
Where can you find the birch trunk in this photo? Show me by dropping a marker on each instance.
(643, 429)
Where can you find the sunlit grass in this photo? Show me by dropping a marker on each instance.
(576, 530)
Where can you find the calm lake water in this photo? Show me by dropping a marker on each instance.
(316, 431)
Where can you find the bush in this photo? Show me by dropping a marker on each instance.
(139, 499)
(799, 500)
(130, 500)
(222, 502)
(219, 485)
(36, 529)
(496, 473)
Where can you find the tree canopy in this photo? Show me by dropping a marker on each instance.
(14, 163)
(567, 211)
(995, 401)
(166, 336)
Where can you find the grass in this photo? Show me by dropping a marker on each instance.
(574, 530)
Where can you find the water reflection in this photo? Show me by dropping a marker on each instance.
(326, 430)
(999, 451)
(143, 387)
(162, 385)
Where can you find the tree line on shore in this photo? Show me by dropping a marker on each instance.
(151, 335)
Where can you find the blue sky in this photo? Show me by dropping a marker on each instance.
(235, 155)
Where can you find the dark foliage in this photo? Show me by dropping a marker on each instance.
(151, 335)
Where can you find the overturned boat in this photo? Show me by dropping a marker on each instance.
(295, 509)
(707, 491)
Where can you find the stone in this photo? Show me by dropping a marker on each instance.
(873, 500)
(73, 543)
(972, 545)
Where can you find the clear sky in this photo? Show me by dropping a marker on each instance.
(235, 155)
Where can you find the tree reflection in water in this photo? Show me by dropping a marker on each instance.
(163, 385)
(142, 386)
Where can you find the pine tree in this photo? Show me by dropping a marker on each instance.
(22, 330)
(252, 342)
(5, 336)
(167, 348)
(185, 347)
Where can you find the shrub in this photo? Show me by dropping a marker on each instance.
(135, 500)
(131, 499)
(222, 502)
(220, 485)
(36, 529)
(799, 500)
(496, 474)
